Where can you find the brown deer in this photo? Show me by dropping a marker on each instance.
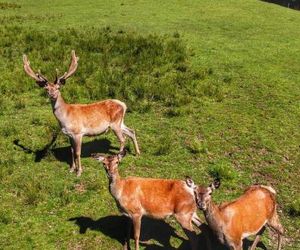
(233, 221)
(157, 198)
(78, 120)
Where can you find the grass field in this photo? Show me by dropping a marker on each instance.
(212, 89)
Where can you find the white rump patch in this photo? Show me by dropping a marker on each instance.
(272, 190)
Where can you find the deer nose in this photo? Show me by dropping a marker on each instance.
(201, 205)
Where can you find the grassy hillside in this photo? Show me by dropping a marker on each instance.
(212, 90)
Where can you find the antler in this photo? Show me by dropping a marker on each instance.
(40, 79)
(71, 71)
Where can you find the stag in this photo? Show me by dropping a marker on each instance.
(78, 120)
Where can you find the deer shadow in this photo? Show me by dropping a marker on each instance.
(292, 4)
(63, 154)
(115, 227)
(215, 244)
(248, 243)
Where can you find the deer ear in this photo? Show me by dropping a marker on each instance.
(189, 182)
(216, 184)
(98, 157)
(42, 84)
(61, 82)
(122, 154)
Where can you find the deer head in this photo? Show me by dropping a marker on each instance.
(110, 163)
(203, 194)
(51, 87)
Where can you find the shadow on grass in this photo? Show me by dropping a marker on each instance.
(63, 154)
(115, 227)
(248, 243)
(292, 4)
(216, 245)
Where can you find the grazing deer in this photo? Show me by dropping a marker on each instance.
(248, 215)
(156, 198)
(78, 120)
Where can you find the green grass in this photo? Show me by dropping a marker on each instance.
(212, 90)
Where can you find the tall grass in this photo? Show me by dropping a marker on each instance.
(141, 70)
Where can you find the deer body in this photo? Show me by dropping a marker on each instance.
(78, 120)
(95, 118)
(157, 198)
(248, 215)
(146, 196)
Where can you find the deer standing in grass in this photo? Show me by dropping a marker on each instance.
(157, 198)
(78, 120)
(233, 221)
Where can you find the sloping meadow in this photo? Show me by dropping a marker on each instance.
(153, 75)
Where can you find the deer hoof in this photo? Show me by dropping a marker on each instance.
(79, 173)
(72, 169)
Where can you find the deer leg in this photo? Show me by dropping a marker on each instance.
(257, 238)
(236, 246)
(186, 223)
(128, 232)
(196, 220)
(121, 138)
(137, 229)
(279, 241)
(239, 246)
(77, 149)
(72, 166)
(130, 132)
(275, 224)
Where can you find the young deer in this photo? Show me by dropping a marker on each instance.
(157, 198)
(248, 215)
(78, 120)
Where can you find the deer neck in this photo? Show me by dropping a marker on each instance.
(59, 107)
(115, 184)
(58, 102)
(214, 220)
